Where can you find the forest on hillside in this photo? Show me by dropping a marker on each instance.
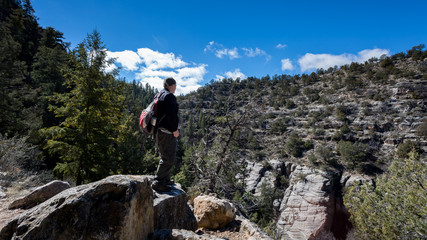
(65, 117)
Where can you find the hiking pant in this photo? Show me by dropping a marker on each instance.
(166, 145)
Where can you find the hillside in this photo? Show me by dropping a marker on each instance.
(379, 104)
(350, 123)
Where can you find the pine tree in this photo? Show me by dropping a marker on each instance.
(397, 207)
(91, 110)
(11, 77)
(49, 62)
(19, 35)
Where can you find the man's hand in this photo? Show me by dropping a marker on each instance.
(176, 134)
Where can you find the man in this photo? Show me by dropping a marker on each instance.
(166, 134)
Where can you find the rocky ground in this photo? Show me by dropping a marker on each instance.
(231, 231)
(5, 214)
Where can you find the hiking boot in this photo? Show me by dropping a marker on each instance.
(170, 182)
(161, 188)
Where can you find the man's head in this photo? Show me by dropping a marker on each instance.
(170, 84)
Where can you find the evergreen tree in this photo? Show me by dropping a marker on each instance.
(49, 62)
(19, 35)
(12, 76)
(397, 207)
(91, 110)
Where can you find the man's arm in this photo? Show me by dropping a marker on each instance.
(172, 113)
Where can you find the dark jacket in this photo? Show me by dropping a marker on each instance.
(167, 111)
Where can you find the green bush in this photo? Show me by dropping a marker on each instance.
(396, 208)
(278, 126)
(290, 104)
(20, 159)
(341, 112)
(295, 146)
(422, 129)
(405, 148)
(353, 155)
(17, 154)
(326, 155)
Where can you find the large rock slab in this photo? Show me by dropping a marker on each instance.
(40, 195)
(117, 207)
(308, 206)
(213, 213)
(171, 210)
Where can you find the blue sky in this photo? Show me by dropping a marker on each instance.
(200, 41)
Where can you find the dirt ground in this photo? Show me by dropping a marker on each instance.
(5, 214)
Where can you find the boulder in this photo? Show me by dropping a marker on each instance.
(171, 210)
(349, 179)
(40, 195)
(213, 213)
(307, 208)
(117, 207)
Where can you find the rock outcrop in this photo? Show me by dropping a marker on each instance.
(213, 213)
(117, 207)
(40, 195)
(171, 210)
(309, 205)
(125, 207)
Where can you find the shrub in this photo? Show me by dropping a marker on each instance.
(422, 129)
(325, 154)
(341, 112)
(16, 153)
(278, 126)
(308, 145)
(396, 208)
(290, 104)
(353, 155)
(294, 146)
(18, 158)
(405, 148)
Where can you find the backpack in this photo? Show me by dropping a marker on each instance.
(148, 117)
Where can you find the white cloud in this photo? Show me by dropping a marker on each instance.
(211, 46)
(152, 67)
(287, 64)
(257, 52)
(370, 53)
(188, 79)
(233, 75)
(253, 53)
(221, 51)
(155, 60)
(236, 74)
(281, 45)
(128, 59)
(231, 53)
(316, 61)
(219, 77)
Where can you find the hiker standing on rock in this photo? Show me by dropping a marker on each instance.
(166, 135)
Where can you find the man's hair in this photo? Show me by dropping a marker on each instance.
(168, 82)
